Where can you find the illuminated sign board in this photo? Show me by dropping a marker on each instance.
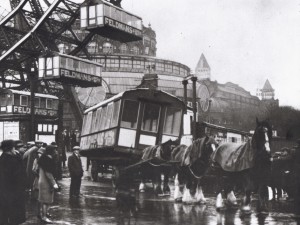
(40, 112)
(80, 76)
(121, 26)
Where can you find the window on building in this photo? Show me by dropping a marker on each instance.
(123, 49)
(108, 48)
(135, 50)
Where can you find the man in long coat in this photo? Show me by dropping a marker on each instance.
(12, 185)
(76, 172)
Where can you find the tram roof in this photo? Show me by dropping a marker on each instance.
(110, 4)
(118, 96)
(35, 94)
(76, 58)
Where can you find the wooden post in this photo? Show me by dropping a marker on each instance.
(185, 82)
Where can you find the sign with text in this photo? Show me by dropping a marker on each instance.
(80, 76)
(40, 112)
(121, 26)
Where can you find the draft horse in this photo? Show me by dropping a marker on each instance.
(193, 163)
(247, 165)
(154, 164)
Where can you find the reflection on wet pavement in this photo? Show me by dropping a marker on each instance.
(98, 206)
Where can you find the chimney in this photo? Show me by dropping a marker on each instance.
(149, 79)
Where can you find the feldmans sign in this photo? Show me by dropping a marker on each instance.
(80, 76)
(27, 110)
(121, 26)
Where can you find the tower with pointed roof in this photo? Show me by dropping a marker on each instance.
(202, 70)
(267, 95)
(267, 92)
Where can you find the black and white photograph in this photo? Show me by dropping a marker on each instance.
(161, 112)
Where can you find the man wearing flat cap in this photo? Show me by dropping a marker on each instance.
(76, 172)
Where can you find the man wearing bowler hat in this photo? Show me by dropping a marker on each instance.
(76, 172)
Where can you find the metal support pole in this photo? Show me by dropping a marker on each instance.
(194, 79)
(185, 82)
(32, 109)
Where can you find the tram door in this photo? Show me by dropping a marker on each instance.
(149, 124)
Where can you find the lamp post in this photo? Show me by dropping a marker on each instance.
(185, 82)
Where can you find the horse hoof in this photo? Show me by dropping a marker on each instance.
(177, 200)
(246, 209)
(231, 204)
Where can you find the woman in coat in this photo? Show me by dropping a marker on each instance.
(46, 183)
(12, 185)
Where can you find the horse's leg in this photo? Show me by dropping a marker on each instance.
(246, 204)
(166, 187)
(228, 190)
(220, 183)
(177, 191)
(199, 194)
(262, 198)
(157, 182)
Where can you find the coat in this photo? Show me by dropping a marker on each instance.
(12, 188)
(75, 166)
(46, 180)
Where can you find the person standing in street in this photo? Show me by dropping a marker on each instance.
(76, 172)
(46, 183)
(12, 185)
(296, 177)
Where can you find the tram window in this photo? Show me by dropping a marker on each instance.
(37, 102)
(92, 15)
(49, 66)
(98, 119)
(103, 118)
(83, 17)
(55, 104)
(172, 121)
(130, 114)
(63, 62)
(88, 122)
(110, 108)
(43, 103)
(114, 121)
(94, 119)
(24, 100)
(49, 103)
(16, 99)
(151, 117)
(5, 99)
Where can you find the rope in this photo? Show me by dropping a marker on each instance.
(194, 173)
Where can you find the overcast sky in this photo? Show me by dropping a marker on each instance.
(244, 41)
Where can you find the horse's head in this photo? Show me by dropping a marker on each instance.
(262, 137)
(167, 147)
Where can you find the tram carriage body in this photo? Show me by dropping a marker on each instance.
(67, 68)
(108, 20)
(15, 115)
(118, 129)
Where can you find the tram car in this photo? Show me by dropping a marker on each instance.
(15, 115)
(115, 131)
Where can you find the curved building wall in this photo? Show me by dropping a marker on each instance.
(123, 72)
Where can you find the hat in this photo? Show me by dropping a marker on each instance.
(76, 148)
(7, 145)
(54, 144)
(30, 143)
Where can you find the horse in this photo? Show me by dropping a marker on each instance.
(245, 164)
(154, 163)
(193, 163)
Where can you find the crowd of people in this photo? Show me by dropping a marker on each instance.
(33, 170)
